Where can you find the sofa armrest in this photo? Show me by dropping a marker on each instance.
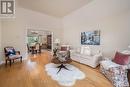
(107, 58)
(98, 56)
(126, 66)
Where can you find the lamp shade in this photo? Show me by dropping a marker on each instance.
(57, 41)
(129, 46)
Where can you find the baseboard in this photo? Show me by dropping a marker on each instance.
(2, 62)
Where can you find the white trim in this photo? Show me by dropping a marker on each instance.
(2, 62)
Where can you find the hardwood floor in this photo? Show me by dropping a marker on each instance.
(31, 73)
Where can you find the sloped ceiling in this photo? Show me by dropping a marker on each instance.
(57, 8)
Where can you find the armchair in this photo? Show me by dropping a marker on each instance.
(116, 73)
(38, 48)
(61, 57)
(11, 54)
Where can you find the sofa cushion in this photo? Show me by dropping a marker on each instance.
(14, 56)
(86, 56)
(108, 64)
(122, 59)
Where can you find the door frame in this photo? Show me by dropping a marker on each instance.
(52, 38)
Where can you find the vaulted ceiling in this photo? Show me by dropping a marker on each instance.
(57, 8)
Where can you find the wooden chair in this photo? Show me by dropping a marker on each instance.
(11, 55)
(38, 48)
(29, 49)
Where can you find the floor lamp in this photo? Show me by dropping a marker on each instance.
(57, 42)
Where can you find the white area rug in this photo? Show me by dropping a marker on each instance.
(64, 77)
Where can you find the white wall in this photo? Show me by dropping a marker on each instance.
(0, 41)
(112, 17)
(14, 30)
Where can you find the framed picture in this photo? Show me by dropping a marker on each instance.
(90, 38)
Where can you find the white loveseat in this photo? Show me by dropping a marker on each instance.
(86, 56)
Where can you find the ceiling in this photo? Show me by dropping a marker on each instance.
(57, 8)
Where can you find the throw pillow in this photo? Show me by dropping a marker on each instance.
(10, 51)
(87, 51)
(122, 59)
(63, 48)
(82, 50)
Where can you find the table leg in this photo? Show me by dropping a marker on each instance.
(60, 67)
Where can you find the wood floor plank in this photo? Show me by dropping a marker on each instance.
(31, 73)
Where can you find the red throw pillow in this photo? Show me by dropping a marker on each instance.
(63, 48)
(122, 59)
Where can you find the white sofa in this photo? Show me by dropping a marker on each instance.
(86, 56)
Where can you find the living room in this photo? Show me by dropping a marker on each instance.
(67, 20)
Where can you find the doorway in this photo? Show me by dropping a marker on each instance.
(39, 41)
